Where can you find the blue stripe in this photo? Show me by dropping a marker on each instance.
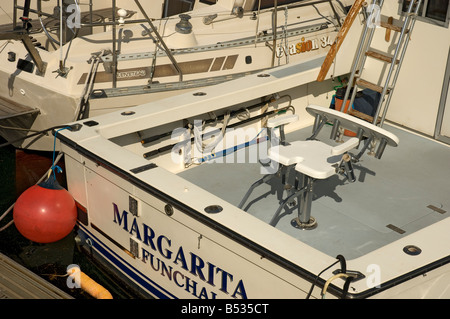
(233, 149)
(127, 268)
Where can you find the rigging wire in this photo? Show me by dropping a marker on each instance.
(52, 169)
(46, 175)
(36, 133)
(1, 8)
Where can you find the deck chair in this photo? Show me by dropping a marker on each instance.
(312, 160)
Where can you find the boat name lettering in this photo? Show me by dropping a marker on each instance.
(131, 74)
(160, 252)
(304, 46)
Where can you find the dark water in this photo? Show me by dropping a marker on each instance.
(20, 170)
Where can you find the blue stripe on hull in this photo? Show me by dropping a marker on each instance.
(109, 255)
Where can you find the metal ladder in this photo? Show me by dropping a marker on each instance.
(364, 51)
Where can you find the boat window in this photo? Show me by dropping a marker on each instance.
(269, 3)
(432, 11)
(174, 7)
(437, 10)
(208, 1)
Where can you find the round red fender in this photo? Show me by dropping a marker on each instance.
(45, 213)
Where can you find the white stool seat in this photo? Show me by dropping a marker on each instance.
(281, 120)
(312, 158)
(316, 160)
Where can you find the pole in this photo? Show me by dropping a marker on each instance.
(339, 39)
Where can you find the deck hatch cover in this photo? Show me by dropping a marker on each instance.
(143, 168)
(395, 228)
(436, 209)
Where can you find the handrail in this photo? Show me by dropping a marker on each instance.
(96, 24)
(169, 53)
(114, 23)
(299, 5)
(277, 8)
(274, 30)
(15, 14)
(114, 52)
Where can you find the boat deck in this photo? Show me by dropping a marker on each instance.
(404, 191)
(17, 282)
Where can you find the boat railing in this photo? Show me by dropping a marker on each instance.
(114, 22)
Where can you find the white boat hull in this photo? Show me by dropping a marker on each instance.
(175, 228)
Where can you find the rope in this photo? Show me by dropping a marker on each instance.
(204, 147)
(56, 167)
(18, 129)
(7, 225)
(31, 135)
(325, 287)
(46, 175)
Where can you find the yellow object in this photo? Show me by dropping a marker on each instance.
(90, 286)
(328, 282)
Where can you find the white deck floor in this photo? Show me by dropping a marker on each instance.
(352, 218)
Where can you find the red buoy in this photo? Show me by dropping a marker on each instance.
(45, 213)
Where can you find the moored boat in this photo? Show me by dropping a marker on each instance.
(114, 59)
(251, 188)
